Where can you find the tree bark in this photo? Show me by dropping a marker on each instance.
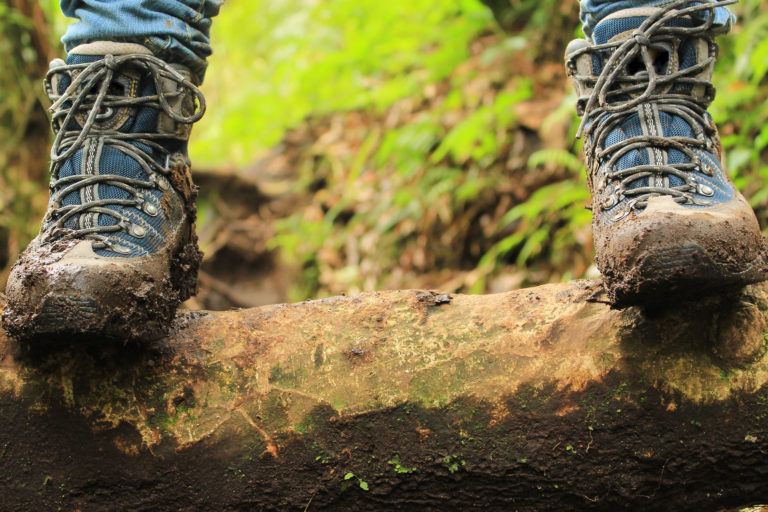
(531, 400)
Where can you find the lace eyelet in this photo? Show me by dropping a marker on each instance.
(108, 112)
(705, 190)
(631, 206)
(621, 215)
(150, 209)
(119, 249)
(610, 202)
(137, 231)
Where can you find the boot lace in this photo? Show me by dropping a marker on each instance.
(616, 94)
(91, 98)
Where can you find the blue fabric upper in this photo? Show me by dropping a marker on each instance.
(111, 160)
(670, 126)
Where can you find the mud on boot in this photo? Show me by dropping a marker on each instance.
(667, 222)
(117, 251)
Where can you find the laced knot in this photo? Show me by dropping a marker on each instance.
(641, 39)
(85, 110)
(631, 77)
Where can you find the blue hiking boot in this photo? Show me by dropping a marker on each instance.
(117, 251)
(667, 222)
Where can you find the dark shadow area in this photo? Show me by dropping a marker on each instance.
(621, 442)
(607, 447)
(727, 328)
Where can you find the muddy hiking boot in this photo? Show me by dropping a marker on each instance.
(117, 251)
(667, 221)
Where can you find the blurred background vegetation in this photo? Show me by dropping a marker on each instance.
(361, 145)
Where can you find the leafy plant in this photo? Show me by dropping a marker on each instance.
(399, 468)
(301, 58)
(360, 482)
(425, 147)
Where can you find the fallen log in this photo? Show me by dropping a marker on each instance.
(536, 399)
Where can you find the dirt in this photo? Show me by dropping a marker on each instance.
(432, 298)
(239, 268)
(675, 253)
(124, 301)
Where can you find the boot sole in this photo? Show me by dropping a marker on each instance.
(679, 273)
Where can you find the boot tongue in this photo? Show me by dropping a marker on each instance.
(90, 52)
(128, 81)
(620, 25)
(668, 57)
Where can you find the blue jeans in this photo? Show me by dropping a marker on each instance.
(175, 30)
(179, 30)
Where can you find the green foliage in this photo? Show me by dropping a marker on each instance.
(299, 58)
(360, 482)
(421, 176)
(398, 466)
(551, 219)
(437, 151)
(23, 126)
(741, 109)
(453, 463)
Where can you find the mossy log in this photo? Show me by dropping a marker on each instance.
(538, 399)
